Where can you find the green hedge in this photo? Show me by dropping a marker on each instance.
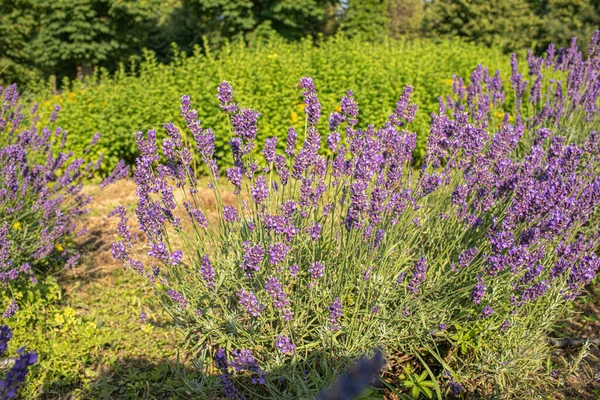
(264, 76)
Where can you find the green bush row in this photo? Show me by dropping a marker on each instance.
(265, 74)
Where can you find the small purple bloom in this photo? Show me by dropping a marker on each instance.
(250, 303)
(478, 292)
(207, 271)
(487, 312)
(335, 314)
(260, 191)
(294, 270)
(230, 214)
(11, 310)
(419, 276)
(277, 253)
(316, 271)
(285, 345)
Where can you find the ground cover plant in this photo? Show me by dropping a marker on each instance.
(140, 97)
(457, 270)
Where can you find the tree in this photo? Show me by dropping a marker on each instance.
(219, 19)
(405, 18)
(564, 19)
(63, 37)
(365, 18)
(511, 25)
(17, 22)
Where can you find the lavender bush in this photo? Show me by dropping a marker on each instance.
(41, 193)
(457, 270)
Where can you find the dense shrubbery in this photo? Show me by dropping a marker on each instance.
(264, 76)
(458, 271)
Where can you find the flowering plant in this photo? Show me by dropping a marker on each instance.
(41, 193)
(17, 373)
(458, 269)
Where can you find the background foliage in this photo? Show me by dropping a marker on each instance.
(264, 76)
(44, 38)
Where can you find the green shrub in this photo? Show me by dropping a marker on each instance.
(264, 75)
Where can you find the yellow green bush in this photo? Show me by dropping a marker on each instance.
(141, 97)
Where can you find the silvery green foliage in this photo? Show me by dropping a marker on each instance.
(328, 252)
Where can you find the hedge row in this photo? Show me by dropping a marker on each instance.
(265, 75)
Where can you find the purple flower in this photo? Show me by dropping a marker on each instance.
(249, 301)
(467, 256)
(11, 310)
(225, 96)
(196, 215)
(207, 271)
(285, 345)
(143, 316)
(244, 123)
(269, 150)
(419, 276)
(235, 176)
(275, 290)
(18, 372)
(230, 214)
(242, 360)
(277, 253)
(486, 312)
(253, 256)
(311, 102)
(294, 270)
(314, 231)
(176, 258)
(379, 235)
(260, 191)
(291, 142)
(400, 278)
(478, 292)
(335, 314)
(177, 298)
(316, 271)
(72, 261)
(455, 387)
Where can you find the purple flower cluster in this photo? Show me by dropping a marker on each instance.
(11, 310)
(230, 214)
(207, 271)
(177, 298)
(253, 256)
(250, 303)
(316, 271)
(277, 253)
(335, 314)
(17, 374)
(285, 345)
(274, 287)
(41, 191)
(419, 275)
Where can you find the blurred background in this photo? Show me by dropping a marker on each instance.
(40, 39)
